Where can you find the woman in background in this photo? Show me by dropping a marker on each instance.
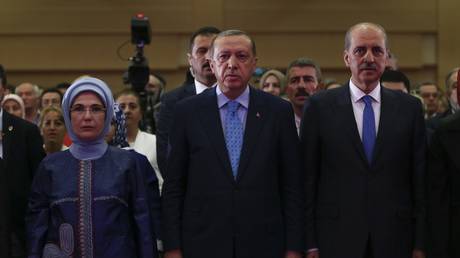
(90, 200)
(52, 127)
(272, 81)
(14, 105)
(142, 142)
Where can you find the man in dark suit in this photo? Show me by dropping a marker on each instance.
(364, 149)
(233, 187)
(21, 152)
(4, 206)
(444, 189)
(200, 42)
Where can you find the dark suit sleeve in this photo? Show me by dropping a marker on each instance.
(292, 182)
(35, 151)
(311, 155)
(438, 198)
(164, 121)
(174, 185)
(418, 177)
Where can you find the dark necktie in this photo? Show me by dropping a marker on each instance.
(233, 135)
(368, 128)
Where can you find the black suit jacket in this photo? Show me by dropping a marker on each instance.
(350, 201)
(4, 213)
(22, 152)
(165, 115)
(206, 212)
(444, 189)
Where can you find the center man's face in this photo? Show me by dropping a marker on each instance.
(197, 58)
(233, 62)
(366, 56)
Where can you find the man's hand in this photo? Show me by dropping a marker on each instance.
(176, 253)
(417, 253)
(292, 254)
(313, 254)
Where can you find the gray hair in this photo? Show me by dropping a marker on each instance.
(35, 88)
(228, 33)
(364, 24)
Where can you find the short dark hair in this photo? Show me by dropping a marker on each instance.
(229, 33)
(304, 62)
(2, 76)
(203, 31)
(395, 76)
(51, 90)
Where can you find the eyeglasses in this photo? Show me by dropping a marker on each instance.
(94, 110)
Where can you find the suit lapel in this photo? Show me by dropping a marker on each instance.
(344, 111)
(388, 111)
(211, 122)
(189, 90)
(254, 122)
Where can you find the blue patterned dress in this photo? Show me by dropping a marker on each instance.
(100, 208)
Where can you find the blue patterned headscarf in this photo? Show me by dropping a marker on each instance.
(88, 150)
(119, 139)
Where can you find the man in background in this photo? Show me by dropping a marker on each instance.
(200, 41)
(30, 94)
(303, 77)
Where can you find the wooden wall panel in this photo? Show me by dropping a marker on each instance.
(51, 40)
(330, 15)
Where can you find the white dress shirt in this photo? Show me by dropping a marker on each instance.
(200, 87)
(358, 104)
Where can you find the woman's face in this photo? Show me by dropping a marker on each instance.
(130, 106)
(53, 128)
(87, 115)
(272, 85)
(12, 106)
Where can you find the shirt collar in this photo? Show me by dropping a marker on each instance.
(243, 99)
(200, 87)
(356, 93)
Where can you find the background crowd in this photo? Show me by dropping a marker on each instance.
(313, 168)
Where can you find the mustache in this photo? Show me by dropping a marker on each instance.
(206, 65)
(302, 93)
(368, 66)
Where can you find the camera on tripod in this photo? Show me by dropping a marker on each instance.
(138, 68)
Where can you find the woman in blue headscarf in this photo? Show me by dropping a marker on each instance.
(91, 200)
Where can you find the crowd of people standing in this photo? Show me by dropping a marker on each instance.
(296, 165)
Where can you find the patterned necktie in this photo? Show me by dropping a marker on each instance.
(233, 135)
(368, 128)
